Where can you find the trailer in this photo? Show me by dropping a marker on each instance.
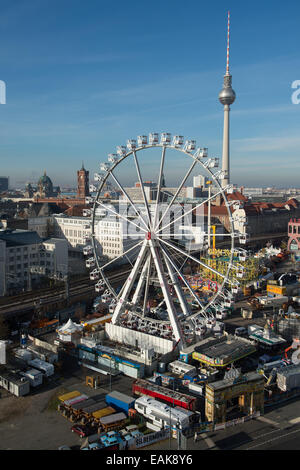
(113, 422)
(197, 389)
(288, 378)
(120, 401)
(179, 367)
(45, 367)
(35, 377)
(160, 416)
(108, 410)
(69, 395)
(143, 387)
(14, 383)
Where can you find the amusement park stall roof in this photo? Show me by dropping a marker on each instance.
(226, 349)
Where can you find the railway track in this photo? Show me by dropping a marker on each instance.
(56, 295)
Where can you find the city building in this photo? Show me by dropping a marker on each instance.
(24, 257)
(4, 181)
(294, 235)
(269, 219)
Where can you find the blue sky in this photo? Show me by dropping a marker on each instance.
(83, 77)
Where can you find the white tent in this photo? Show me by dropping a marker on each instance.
(68, 329)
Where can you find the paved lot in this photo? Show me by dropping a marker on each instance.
(27, 423)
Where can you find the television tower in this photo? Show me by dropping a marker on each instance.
(226, 97)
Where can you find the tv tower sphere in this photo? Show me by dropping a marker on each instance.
(227, 94)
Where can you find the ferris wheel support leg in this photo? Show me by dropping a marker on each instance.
(146, 293)
(129, 283)
(141, 282)
(184, 306)
(177, 331)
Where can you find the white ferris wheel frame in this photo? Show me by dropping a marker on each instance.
(156, 246)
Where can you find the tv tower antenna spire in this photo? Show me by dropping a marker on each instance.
(228, 43)
(226, 97)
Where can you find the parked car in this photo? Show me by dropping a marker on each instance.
(82, 430)
(93, 446)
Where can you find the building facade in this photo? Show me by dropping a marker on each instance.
(25, 257)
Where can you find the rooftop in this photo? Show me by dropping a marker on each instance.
(225, 383)
(20, 237)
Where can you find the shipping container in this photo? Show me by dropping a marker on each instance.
(120, 401)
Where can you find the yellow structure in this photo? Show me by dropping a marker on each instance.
(108, 410)
(92, 380)
(279, 290)
(226, 399)
(69, 396)
(219, 260)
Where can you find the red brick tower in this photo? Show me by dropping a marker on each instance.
(82, 182)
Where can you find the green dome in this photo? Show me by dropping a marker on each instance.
(45, 180)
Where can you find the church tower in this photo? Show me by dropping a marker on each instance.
(82, 182)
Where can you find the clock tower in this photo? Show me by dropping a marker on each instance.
(82, 182)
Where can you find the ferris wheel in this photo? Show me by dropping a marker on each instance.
(158, 256)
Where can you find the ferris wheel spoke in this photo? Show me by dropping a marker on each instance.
(162, 161)
(142, 188)
(182, 277)
(129, 283)
(176, 194)
(193, 259)
(141, 281)
(189, 211)
(129, 199)
(121, 256)
(120, 216)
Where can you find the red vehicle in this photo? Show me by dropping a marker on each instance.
(143, 387)
(83, 430)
